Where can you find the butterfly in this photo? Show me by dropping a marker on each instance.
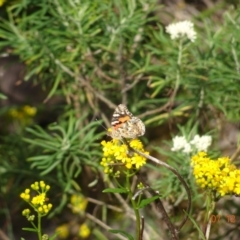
(125, 125)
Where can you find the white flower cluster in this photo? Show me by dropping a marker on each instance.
(181, 29)
(180, 143)
(198, 143)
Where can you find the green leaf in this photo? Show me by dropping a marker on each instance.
(54, 236)
(50, 168)
(147, 201)
(123, 233)
(196, 225)
(43, 144)
(93, 183)
(2, 96)
(115, 190)
(55, 86)
(29, 229)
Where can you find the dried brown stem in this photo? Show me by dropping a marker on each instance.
(235, 154)
(102, 224)
(100, 203)
(3, 236)
(154, 111)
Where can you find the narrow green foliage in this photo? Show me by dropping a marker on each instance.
(64, 148)
(87, 57)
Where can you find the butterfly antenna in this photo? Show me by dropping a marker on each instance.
(101, 124)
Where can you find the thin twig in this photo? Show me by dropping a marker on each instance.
(122, 73)
(235, 154)
(102, 224)
(130, 86)
(3, 236)
(209, 224)
(105, 119)
(85, 83)
(154, 111)
(98, 70)
(114, 208)
(210, 211)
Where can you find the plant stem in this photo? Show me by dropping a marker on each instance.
(39, 227)
(178, 74)
(138, 220)
(179, 61)
(209, 214)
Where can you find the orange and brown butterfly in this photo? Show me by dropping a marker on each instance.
(125, 125)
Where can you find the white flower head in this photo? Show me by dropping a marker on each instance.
(180, 143)
(201, 143)
(187, 148)
(181, 29)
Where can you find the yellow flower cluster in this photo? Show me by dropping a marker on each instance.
(40, 185)
(2, 2)
(116, 153)
(26, 212)
(63, 231)
(23, 114)
(37, 202)
(84, 231)
(216, 175)
(39, 199)
(25, 195)
(78, 203)
(45, 209)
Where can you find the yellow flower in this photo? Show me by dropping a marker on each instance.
(79, 203)
(140, 186)
(136, 144)
(42, 184)
(237, 189)
(24, 115)
(46, 208)
(84, 231)
(13, 112)
(35, 186)
(26, 212)
(128, 163)
(2, 2)
(63, 231)
(139, 161)
(30, 111)
(40, 209)
(26, 195)
(39, 200)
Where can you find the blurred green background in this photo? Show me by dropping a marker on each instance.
(66, 65)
